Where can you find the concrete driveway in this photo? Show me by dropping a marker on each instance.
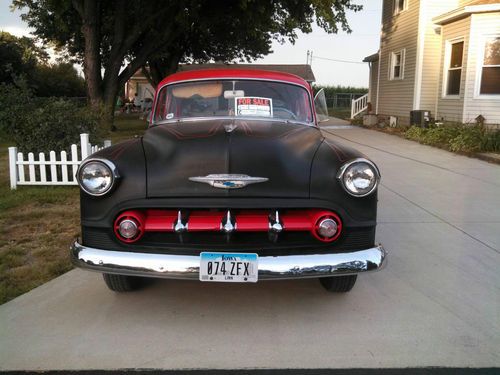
(436, 304)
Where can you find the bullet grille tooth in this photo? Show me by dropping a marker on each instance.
(275, 223)
(227, 223)
(179, 225)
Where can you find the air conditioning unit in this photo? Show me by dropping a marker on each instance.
(420, 118)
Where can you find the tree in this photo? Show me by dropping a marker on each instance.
(119, 37)
(18, 57)
(60, 79)
(23, 63)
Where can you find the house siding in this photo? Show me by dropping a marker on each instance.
(140, 86)
(398, 32)
(462, 3)
(481, 26)
(451, 109)
(431, 59)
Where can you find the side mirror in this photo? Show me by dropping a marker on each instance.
(320, 106)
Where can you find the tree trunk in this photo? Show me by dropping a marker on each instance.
(108, 114)
(102, 91)
(110, 81)
(162, 67)
(89, 12)
(111, 91)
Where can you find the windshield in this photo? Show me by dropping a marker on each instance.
(254, 99)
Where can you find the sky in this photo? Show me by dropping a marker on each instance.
(363, 41)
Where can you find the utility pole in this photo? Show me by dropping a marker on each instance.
(309, 59)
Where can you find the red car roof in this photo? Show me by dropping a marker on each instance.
(234, 73)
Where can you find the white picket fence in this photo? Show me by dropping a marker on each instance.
(58, 173)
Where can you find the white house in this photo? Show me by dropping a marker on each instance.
(441, 56)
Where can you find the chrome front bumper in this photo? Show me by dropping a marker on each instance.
(187, 266)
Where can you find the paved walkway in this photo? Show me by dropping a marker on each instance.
(436, 304)
(334, 121)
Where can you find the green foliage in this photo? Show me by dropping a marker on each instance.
(42, 125)
(441, 135)
(54, 126)
(416, 133)
(22, 61)
(18, 57)
(491, 143)
(330, 91)
(437, 136)
(457, 138)
(16, 102)
(201, 30)
(57, 80)
(339, 98)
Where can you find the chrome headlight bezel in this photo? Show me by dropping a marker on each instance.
(342, 171)
(108, 165)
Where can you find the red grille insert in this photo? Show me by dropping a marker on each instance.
(157, 220)
(204, 221)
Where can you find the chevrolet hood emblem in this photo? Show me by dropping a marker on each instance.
(228, 181)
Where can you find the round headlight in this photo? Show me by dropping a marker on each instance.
(96, 177)
(359, 177)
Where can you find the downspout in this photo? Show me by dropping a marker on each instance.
(378, 78)
(370, 66)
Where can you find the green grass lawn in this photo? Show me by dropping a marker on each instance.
(37, 224)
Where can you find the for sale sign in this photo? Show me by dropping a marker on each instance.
(254, 106)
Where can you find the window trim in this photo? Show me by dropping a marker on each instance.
(395, 7)
(479, 68)
(402, 65)
(446, 68)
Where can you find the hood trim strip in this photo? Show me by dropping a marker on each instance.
(228, 181)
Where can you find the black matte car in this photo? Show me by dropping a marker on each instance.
(232, 182)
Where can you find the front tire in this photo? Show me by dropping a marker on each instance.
(338, 284)
(121, 283)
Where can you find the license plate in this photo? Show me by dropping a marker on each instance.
(229, 267)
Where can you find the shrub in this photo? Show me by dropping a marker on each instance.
(60, 80)
(53, 125)
(42, 124)
(15, 101)
(491, 141)
(415, 133)
(469, 139)
(457, 137)
(440, 136)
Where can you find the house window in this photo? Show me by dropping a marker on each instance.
(454, 75)
(397, 65)
(490, 73)
(399, 6)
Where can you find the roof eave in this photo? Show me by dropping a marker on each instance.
(372, 58)
(465, 11)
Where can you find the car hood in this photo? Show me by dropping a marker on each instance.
(279, 151)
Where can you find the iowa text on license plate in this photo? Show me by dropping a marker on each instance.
(229, 267)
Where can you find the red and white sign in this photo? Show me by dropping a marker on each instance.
(254, 106)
